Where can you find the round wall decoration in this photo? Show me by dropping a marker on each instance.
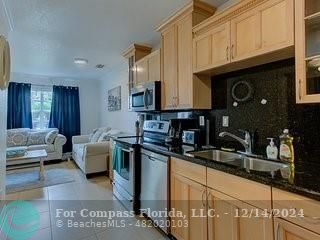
(5, 63)
(242, 91)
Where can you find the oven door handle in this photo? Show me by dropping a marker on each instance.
(126, 150)
(130, 150)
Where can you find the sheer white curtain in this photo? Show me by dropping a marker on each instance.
(3, 144)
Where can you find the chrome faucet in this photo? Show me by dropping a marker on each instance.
(246, 142)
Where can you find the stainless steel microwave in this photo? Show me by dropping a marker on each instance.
(146, 97)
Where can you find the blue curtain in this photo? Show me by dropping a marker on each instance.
(19, 106)
(65, 113)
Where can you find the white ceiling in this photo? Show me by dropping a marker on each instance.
(48, 34)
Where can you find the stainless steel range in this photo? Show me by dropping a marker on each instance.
(126, 170)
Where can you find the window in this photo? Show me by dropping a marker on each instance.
(41, 98)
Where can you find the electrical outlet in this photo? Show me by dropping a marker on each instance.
(225, 121)
(201, 121)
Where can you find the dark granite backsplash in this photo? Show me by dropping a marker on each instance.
(274, 82)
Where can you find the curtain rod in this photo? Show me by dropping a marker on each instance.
(43, 85)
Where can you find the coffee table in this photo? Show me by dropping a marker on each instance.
(33, 158)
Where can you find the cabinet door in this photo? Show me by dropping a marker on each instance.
(235, 220)
(307, 50)
(169, 58)
(264, 29)
(277, 24)
(202, 50)
(221, 45)
(142, 71)
(185, 196)
(212, 49)
(185, 73)
(154, 66)
(287, 231)
(245, 35)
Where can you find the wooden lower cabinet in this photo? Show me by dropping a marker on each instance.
(231, 219)
(228, 212)
(285, 230)
(186, 195)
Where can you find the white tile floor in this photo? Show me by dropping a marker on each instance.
(92, 194)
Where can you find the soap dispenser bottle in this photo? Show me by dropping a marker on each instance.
(286, 147)
(272, 150)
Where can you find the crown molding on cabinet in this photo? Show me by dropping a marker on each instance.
(130, 51)
(226, 15)
(194, 6)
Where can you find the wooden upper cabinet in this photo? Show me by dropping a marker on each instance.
(180, 88)
(147, 69)
(245, 37)
(221, 45)
(185, 73)
(154, 66)
(212, 49)
(169, 58)
(202, 55)
(141, 71)
(264, 29)
(307, 34)
(277, 24)
(288, 231)
(253, 32)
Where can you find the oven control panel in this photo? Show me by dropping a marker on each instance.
(156, 126)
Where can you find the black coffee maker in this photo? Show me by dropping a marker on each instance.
(176, 130)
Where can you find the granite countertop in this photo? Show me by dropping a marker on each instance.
(302, 179)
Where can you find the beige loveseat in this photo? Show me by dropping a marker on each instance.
(91, 152)
(33, 139)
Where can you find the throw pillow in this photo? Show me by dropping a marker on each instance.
(51, 136)
(104, 137)
(17, 137)
(36, 138)
(96, 135)
(91, 134)
(114, 132)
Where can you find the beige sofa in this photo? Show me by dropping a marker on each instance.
(91, 152)
(32, 139)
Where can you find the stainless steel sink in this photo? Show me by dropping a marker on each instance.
(256, 164)
(217, 155)
(241, 161)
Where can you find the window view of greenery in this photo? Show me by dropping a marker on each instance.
(41, 107)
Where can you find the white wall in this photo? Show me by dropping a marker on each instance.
(89, 96)
(124, 119)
